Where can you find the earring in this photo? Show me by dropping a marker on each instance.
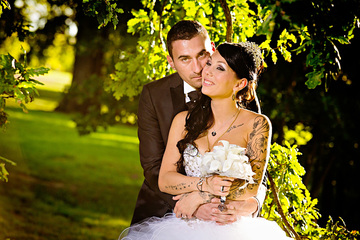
(238, 103)
(233, 96)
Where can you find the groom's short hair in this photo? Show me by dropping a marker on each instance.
(184, 30)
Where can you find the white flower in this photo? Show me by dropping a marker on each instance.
(207, 158)
(227, 165)
(226, 144)
(215, 166)
(227, 160)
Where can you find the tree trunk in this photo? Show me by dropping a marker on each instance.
(229, 26)
(88, 65)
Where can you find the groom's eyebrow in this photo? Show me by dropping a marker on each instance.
(202, 51)
(183, 56)
(188, 56)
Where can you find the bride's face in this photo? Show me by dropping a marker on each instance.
(218, 79)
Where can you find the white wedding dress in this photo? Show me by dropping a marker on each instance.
(171, 228)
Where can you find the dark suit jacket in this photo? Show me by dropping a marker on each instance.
(159, 102)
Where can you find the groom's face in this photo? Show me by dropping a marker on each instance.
(189, 58)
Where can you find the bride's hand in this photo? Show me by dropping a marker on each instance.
(188, 203)
(218, 185)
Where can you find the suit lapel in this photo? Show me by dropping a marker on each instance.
(177, 95)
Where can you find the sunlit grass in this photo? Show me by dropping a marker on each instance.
(55, 81)
(115, 137)
(65, 186)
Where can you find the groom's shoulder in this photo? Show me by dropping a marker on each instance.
(165, 82)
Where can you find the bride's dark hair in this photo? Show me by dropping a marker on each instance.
(246, 61)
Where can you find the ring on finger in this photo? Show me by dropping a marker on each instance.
(222, 188)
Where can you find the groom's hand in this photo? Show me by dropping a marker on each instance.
(204, 212)
(210, 211)
(187, 204)
(237, 208)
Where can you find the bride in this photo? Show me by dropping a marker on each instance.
(229, 80)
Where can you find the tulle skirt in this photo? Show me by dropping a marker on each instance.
(171, 228)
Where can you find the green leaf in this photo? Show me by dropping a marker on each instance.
(314, 78)
(26, 85)
(37, 71)
(273, 56)
(7, 161)
(3, 172)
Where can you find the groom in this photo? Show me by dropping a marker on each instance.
(189, 48)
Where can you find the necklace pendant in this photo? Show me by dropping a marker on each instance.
(213, 133)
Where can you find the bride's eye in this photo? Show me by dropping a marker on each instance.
(221, 68)
(208, 63)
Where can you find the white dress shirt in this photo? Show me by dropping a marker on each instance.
(187, 88)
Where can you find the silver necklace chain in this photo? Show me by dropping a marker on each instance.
(213, 133)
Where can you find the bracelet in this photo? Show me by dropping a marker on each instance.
(200, 184)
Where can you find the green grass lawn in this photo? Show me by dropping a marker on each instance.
(66, 186)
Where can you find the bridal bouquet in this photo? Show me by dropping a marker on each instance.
(227, 160)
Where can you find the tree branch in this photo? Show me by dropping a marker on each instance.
(280, 210)
(229, 26)
(160, 22)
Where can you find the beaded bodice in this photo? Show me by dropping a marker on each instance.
(192, 160)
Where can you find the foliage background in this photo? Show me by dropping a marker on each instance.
(308, 90)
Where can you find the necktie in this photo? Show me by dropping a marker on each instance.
(194, 96)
